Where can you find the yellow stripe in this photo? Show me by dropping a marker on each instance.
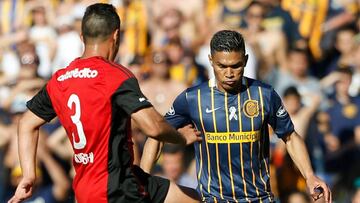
(229, 150)
(251, 145)
(216, 145)
(260, 171)
(262, 116)
(227, 113)
(212, 106)
(208, 158)
(241, 151)
(203, 129)
(200, 167)
(215, 200)
(239, 111)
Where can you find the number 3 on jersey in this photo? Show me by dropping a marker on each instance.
(76, 120)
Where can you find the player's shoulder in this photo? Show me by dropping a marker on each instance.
(257, 83)
(201, 86)
(112, 69)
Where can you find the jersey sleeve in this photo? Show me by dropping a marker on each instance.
(41, 105)
(279, 118)
(178, 114)
(129, 97)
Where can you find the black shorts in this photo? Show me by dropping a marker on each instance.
(137, 186)
(156, 188)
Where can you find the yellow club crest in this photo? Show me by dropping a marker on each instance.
(251, 108)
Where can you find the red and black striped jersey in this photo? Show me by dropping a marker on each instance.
(93, 99)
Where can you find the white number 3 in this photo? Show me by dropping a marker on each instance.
(76, 120)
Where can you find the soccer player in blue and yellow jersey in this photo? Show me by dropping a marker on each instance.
(233, 113)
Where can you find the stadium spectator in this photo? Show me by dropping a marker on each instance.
(157, 85)
(354, 89)
(346, 46)
(172, 164)
(68, 43)
(271, 54)
(43, 35)
(298, 76)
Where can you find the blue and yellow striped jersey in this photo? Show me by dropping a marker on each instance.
(232, 161)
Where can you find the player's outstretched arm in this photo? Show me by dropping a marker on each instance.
(298, 153)
(154, 125)
(28, 134)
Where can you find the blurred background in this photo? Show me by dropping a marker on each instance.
(308, 50)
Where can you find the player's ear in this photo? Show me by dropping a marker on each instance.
(246, 59)
(82, 37)
(116, 35)
(210, 59)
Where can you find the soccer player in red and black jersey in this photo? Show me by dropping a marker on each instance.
(95, 100)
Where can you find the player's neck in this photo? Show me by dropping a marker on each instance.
(97, 49)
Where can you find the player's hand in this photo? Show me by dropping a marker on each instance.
(23, 191)
(318, 189)
(190, 134)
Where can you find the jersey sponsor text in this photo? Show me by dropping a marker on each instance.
(76, 73)
(232, 137)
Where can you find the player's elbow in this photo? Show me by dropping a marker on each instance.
(29, 122)
(155, 130)
(25, 125)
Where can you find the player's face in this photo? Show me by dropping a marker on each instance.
(292, 104)
(228, 69)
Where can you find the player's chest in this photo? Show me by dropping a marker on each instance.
(231, 113)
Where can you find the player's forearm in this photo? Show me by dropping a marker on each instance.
(28, 135)
(27, 142)
(152, 124)
(299, 154)
(150, 154)
(169, 134)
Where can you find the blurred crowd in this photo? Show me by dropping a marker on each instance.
(308, 50)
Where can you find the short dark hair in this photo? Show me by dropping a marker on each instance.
(291, 91)
(297, 50)
(99, 21)
(227, 40)
(172, 149)
(345, 70)
(255, 3)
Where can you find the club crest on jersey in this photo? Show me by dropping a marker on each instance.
(171, 111)
(251, 108)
